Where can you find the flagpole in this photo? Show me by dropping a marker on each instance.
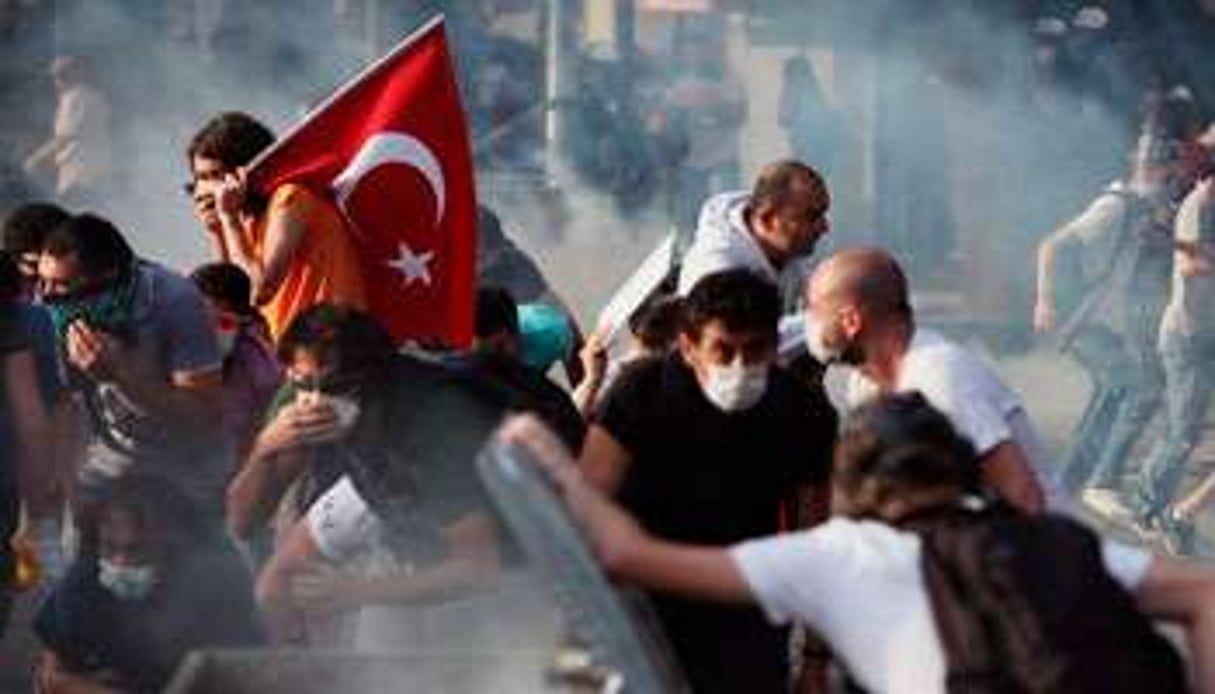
(350, 84)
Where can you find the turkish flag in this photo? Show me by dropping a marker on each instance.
(391, 149)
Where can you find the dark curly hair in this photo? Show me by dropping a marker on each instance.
(348, 339)
(899, 443)
(743, 301)
(159, 508)
(231, 138)
(27, 227)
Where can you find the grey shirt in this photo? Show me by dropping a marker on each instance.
(1115, 228)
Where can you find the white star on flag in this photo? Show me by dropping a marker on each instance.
(412, 266)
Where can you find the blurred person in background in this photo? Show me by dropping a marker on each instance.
(151, 582)
(811, 125)
(708, 102)
(501, 263)
(295, 247)
(81, 148)
(1103, 282)
(1187, 349)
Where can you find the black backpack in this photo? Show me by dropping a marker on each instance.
(1025, 605)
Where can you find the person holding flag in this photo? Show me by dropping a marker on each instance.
(293, 243)
(371, 202)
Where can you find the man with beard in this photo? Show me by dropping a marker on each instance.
(859, 314)
(142, 356)
(764, 230)
(705, 445)
(1121, 250)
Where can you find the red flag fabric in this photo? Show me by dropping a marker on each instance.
(391, 149)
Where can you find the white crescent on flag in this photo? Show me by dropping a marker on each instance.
(393, 148)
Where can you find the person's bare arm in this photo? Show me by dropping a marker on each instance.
(604, 460)
(1183, 592)
(472, 563)
(46, 152)
(284, 231)
(283, 235)
(1044, 317)
(274, 462)
(1006, 471)
(593, 356)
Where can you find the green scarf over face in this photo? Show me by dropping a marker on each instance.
(110, 308)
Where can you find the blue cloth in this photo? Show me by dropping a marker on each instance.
(546, 335)
(1126, 384)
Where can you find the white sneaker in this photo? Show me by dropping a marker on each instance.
(1106, 503)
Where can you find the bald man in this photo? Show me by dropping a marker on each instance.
(859, 314)
(764, 230)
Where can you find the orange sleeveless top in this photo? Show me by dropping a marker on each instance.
(324, 266)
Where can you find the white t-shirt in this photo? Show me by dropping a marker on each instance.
(1189, 311)
(968, 391)
(859, 585)
(342, 525)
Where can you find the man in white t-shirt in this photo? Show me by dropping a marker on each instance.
(859, 314)
(858, 580)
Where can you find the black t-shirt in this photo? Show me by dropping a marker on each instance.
(699, 474)
(204, 601)
(524, 389)
(412, 455)
(702, 475)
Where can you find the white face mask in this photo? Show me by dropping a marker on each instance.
(126, 582)
(736, 387)
(815, 344)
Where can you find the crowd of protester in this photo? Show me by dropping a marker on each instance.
(239, 455)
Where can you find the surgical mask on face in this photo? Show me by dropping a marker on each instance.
(736, 387)
(126, 582)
